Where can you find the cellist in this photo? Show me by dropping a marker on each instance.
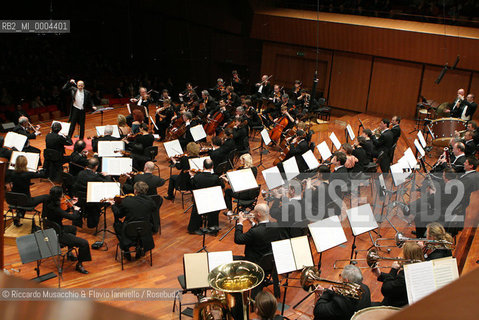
(220, 122)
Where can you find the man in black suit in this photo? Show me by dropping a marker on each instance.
(208, 101)
(81, 99)
(200, 180)
(263, 90)
(240, 133)
(383, 145)
(469, 143)
(218, 154)
(360, 153)
(134, 208)
(368, 143)
(92, 210)
(472, 126)
(22, 128)
(107, 136)
(78, 158)
(332, 305)
(395, 129)
(189, 123)
(299, 145)
(469, 108)
(458, 157)
(470, 178)
(458, 104)
(148, 177)
(57, 141)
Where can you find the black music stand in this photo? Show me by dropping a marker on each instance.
(101, 110)
(37, 246)
(98, 244)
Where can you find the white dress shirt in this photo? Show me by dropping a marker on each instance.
(79, 100)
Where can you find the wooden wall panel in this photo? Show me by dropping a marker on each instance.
(446, 90)
(350, 76)
(475, 90)
(394, 88)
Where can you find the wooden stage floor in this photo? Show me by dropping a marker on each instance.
(174, 241)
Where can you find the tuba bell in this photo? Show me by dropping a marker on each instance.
(310, 277)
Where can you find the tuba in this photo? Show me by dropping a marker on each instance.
(310, 277)
(234, 280)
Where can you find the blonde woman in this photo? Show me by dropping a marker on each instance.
(122, 126)
(435, 231)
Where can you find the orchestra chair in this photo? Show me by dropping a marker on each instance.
(266, 262)
(47, 224)
(243, 205)
(156, 217)
(324, 111)
(53, 164)
(16, 203)
(222, 168)
(197, 292)
(391, 153)
(151, 152)
(181, 187)
(67, 182)
(135, 231)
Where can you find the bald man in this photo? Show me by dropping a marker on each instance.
(458, 104)
(81, 99)
(148, 177)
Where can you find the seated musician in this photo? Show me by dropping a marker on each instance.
(228, 143)
(217, 154)
(208, 101)
(57, 141)
(360, 153)
(139, 207)
(340, 172)
(189, 97)
(351, 160)
(52, 211)
(23, 128)
(435, 231)
(78, 158)
(4, 152)
(458, 105)
(296, 90)
(232, 99)
(240, 134)
(219, 89)
(368, 143)
(204, 179)
(21, 180)
(143, 100)
(148, 177)
(262, 91)
(163, 118)
(333, 305)
(383, 145)
(251, 115)
(317, 193)
(181, 181)
(266, 306)
(137, 119)
(145, 138)
(189, 123)
(469, 108)
(303, 100)
(123, 128)
(107, 136)
(472, 126)
(394, 283)
(226, 115)
(298, 146)
(246, 161)
(165, 95)
(470, 145)
(395, 128)
(89, 174)
(236, 82)
(470, 178)
(457, 158)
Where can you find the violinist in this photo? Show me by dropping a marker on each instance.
(296, 91)
(139, 207)
(254, 121)
(21, 181)
(163, 118)
(52, 211)
(219, 89)
(78, 158)
(263, 90)
(182, 181)
(137, 118)
(145, 138)
(205, 179)
(165, 95)
(217, 154)
(232, 99)
(143, 99)
(275, 97)
(89, 174)
(298, 146)
(189, 123)
(240, 133)
(189, 97)
(435, 231)
(229, 142)
(23, 128)
(123, 128)
(107, 136)
(57, 141)
(236, 82)
(303, 100)
(208, 102)
(146, 176)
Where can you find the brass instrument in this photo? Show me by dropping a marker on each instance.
(400, 239)
(372, 258)
(310, 277)
(234, 279)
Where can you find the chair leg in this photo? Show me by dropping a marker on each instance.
(182, 200)
(121, 257)
(151, 258)
(116, 251)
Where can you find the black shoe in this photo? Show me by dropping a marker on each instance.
(139, 253)
(81, 269)
(127, 256)
(198, 232)
(169, 198)
(71, 256)
(17, 223)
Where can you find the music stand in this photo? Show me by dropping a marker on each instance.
(37, 246)
(101, 110)
(202, 201)
(361, 125)
(361, 219)
(265, 140)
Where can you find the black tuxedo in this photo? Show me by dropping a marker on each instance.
(57, 142)
(384, 144)
(134, 208)
(363, 159)
(199, 181)
(242, 195)
(77, 115)
(456, 112)
(457, 163)
(257, 240)
(146, 140)
(297, 152)
(369, 148)
(393, 288)
(471, 109)
(396, 130)
(80, 160)
(471, 184)
(187, 137)
(150, 179)
(470, 148)
(240, 137)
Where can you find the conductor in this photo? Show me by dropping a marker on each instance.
(81, 99)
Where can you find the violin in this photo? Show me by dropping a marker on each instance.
(123, 152)
(66, 202)
(119, 198)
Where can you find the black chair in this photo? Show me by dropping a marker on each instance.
(182, 188)
(243, 205)
(391, 153)
(231, 158)
(136, 231)
(157, 221)
(48, 224)
(270, 274)
(179, 293)
(222, 168)
(151, 152)
(53, 164)
(67, 182)
(16, 202)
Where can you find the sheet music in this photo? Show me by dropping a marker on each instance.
(291, 168)
(196, 270)
(173, 148)
(361, 219)
(98, 191)
(197, 132)
(100, 131)
(419, 148)
(445, 271)
(116, 166)
(350, 132)
(324, 150)
(410, 158)
(419, 280)
(15, 140)
(398, 174)
(197, 163)
(241, 180)
(110, 148)
(128, 107)
(218, 258)
(335, 141)
(421, 139)
(310, 160)
(65, 127)
(283, 256)
(265, 137)
(272, 177)
(302, 252)
(327, 233)
(203, 199)
(32, 160)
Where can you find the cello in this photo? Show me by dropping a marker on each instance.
(275, 133)
(176, 129)
(214, 122)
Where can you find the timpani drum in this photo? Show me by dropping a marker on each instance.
(375, 313)
(443, 130)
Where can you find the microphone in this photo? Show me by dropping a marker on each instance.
(441, 75)
(455, 63)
